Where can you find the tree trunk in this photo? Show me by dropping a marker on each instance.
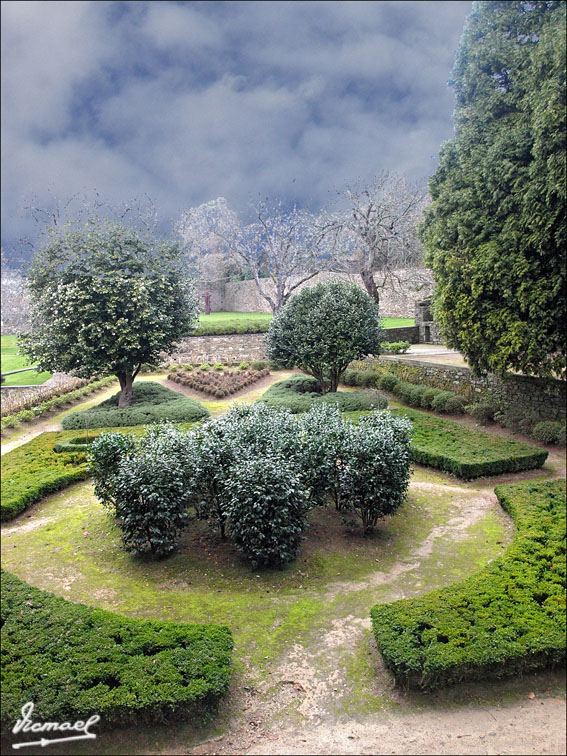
(370, 285)
(126, 381)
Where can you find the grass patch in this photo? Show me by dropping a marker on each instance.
(300, 392)
(12, 360)
(72, 661)
(258, 322)
(509, 618)
(151, 403)
(35, 469)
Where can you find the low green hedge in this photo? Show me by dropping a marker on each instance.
(151, 403)
(507, 619)
(466, 453)
(77, 444)
(300, 392)
(74, 661)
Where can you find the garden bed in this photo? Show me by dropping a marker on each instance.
(218, 383)
(509, 618)
(300, 392)
(74, 661)
(151, 403)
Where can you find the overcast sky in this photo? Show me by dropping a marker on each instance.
(188, 101)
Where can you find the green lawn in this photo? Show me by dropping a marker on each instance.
(217, 318)
(11, 360)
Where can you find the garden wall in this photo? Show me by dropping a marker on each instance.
(405, 333)
(544, 395)
(243, 296)
(228, 348)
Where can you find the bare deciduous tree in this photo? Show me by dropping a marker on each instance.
(378, 233)
(284, 247)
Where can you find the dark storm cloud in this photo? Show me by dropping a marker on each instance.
(188, 101)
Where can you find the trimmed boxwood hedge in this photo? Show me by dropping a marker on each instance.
(449, 446)
(507, 619)
(74, 661)
(151, 403)
(300, 392)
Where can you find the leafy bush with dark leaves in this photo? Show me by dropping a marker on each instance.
(376, 467)
(267, 509)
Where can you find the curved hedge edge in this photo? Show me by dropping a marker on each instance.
(507, 619)
(74, 661)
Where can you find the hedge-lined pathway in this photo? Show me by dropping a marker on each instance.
(307, 677)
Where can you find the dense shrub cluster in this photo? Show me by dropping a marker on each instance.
(41, 402)
(509, 618)
(451, 447)
(72, 660)
(416, 395)
(252, 474)
(300, 392)
(519, 420)
(220, 383)
(151, 403)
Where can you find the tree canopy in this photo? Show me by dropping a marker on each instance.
(495, 232)
(323, 328)
(105, 299)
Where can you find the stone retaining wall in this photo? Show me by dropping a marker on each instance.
(227, 348)
(545, 396)
(403, 333)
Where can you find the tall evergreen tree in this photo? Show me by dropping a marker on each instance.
(495, 232)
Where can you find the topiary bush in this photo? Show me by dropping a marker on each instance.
(324, 328)
(325, 440)
(549, 432)
(388, 382)
(267, 508)
(151, 403)
(376, 467)
(145, 481)
(483, 411)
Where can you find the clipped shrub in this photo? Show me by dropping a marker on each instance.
(548, 432)
(507, 619)
(259, 365)
(325, 440)
(244, 365)
(204, 366)
(106, 452)
(187, 367)
(267, 510)
(173, 367)
(528, 423)
(428, 396)
(150, 499)
(483, 411)
(73, 660)
(151, 403)
(454, 404)
(395, 347)
(218, 366)
(388, 382)
(440, 400)
(376, 469)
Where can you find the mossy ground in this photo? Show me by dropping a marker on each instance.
(311, 618)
